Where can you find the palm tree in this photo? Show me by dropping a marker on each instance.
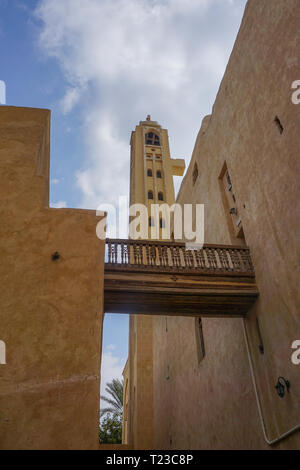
(115, 390)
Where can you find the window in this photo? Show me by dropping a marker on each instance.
(150, 195)
(278, 122)
(162, 223)
(149, 172)
(152, 139)
(151, 222)
(160, 196)
(195, 173)
(158, 174)
(199, 339)
(230, 204)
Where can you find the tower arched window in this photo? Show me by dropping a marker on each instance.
(160, 196)
(149, 172)
(158, 174)
(150, 195)
(151, 138)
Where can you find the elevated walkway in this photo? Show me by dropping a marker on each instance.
(165, 278)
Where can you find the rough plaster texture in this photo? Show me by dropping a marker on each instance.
(212, 405)
(51, 311)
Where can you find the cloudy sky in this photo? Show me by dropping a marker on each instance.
(101, 66)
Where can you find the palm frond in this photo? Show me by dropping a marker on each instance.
(115, 398)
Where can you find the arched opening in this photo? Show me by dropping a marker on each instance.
(150, 195)
(149, 172)
(151, 138)
(160, 196)
(158, 174)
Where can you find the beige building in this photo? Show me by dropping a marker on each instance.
(51, 295)
(214, 379)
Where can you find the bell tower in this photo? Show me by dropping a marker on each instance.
(151, 182)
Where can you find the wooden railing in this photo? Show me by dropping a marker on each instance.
(175, 257)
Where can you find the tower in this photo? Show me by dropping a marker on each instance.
(151, 182)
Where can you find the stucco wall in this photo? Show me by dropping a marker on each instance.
(51, 311)
(212, 405)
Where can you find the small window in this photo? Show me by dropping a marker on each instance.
(195, 173)
(149, 172)
(162, 223)
(199, 339)
(230, 204)
(278, 122)
(150, 195)
(152, 139)
(158, 174)
(160, 196)
(151, 222)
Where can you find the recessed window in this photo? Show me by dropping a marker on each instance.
(151, 222)
(149, 172)
(150, 195)
(152, 139)
(199, 339)
(279, 125)
(230, 204)
(160, 196)
(158, 174)
(195, 173)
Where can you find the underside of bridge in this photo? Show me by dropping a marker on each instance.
(143, 277)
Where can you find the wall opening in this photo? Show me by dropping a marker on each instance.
(114, 380)
(230, 203)
(195, 174)
(199, 339)
(279, 125)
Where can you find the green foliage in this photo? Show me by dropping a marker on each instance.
(111, 417)
(111, 429)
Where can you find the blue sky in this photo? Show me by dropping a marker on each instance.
(101, 66)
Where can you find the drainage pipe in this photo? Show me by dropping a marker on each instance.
(282, 436)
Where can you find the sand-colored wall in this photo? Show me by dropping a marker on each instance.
(51, 311)
(212, 405)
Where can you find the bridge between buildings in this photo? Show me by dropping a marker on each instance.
(166, 278)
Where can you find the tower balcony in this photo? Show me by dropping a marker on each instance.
(165, 278)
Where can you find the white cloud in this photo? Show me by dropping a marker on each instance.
(70, 99)
(54, 181)
(124, 59)
(59, 204)
(111, 368)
